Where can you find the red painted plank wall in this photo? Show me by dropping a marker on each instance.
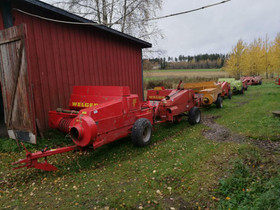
(63, 55)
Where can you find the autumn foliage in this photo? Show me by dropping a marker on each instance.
(260, 57)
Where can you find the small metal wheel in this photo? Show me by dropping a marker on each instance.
(194, 116)
(229, 95)
(242, 91)
(141, 132)
(219, 102)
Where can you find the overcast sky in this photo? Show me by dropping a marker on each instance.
(215, 29)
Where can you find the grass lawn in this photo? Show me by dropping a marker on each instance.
(180, 169)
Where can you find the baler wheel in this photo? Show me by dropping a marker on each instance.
(229, 95)
(242, 91)
(141, 132)
(219, 102)
(260, 82)
(194, 116)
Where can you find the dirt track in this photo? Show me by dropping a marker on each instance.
(220, 133)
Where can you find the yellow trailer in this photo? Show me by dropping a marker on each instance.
(210, 91)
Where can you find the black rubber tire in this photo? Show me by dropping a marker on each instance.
(260, 82)
(242, 91)
(219, 102)
(194, 116)
(141, 132)
(229, 95)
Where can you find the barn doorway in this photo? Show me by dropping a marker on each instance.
(16, 90)
(3, 128)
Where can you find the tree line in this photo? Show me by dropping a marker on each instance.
(260, 57)
(201, 61)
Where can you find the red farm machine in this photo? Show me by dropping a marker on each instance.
(206, 93)
(252, 80)
(245, 84)
(226, 91)
(98, 115)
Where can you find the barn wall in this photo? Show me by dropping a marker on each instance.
(62, 55)
(1, 21)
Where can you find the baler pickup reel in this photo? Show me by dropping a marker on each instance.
(31, 160)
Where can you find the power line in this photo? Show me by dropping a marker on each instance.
(143, 20)
(58, 21)
(185, 12)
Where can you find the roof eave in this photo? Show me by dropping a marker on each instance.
(72, 16)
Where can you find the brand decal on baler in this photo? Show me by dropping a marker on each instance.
(155, 97)
(82, 104)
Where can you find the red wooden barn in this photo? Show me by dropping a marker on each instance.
(45, 51)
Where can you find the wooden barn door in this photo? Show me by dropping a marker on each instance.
(16, 91)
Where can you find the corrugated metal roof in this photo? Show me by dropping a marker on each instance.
(77, 18)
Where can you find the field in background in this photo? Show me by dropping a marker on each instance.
(237, 167)
(171, 78)
(151, 75)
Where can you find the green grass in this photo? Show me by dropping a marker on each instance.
(179, 169)
(254, 184)
(251, 114)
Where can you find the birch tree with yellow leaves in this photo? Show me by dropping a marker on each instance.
(260, 57)
(235, 63)
(254, 58)
(266, 51)
(275, 55)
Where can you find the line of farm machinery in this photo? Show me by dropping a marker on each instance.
(98, 115)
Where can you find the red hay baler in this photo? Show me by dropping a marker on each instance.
(252, 80)
(225, 89)
(98, 115)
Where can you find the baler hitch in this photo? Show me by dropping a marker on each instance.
(31, 160)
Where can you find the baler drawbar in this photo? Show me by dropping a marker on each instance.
(31, 160)
(99, 115)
